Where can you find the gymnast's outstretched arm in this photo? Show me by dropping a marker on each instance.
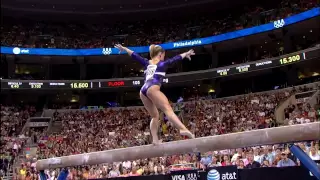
(187, 55)
(131, 53)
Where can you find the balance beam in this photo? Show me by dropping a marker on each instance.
(284, 134)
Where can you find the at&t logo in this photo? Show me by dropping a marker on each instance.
(279, 23)
(215, 175)
(106, 51)
(17, 50)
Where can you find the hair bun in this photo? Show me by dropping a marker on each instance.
(155, 50)
(151, 47)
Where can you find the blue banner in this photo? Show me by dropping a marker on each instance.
(175, 45)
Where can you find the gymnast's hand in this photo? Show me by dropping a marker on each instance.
(120, 47)
(189, 54)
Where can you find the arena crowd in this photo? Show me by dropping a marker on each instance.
(59, 35)
(89, 131)
(13, 119)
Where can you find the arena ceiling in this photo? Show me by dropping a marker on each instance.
(97, 6)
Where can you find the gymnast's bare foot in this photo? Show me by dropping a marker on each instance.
(187, 133)
(156, 142)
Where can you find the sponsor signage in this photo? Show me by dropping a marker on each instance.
(222, 173)
(185, 175)
(38, 124)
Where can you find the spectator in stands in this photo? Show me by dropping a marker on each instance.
(241, 165)
(257, 157)
(251, 162)
(206, 159)
(267, 155)
(4, 164)
(226, 160)
(285, 161)
(276, 160)
(317, 147)
(214, 162)
(23, 171)
(235, 156)
(265, 163)
(114, 172)
(314, 155)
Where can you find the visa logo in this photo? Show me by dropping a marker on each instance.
(178, 177)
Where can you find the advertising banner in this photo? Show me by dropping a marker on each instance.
(185, 175)
(38, 124)
(222, 173)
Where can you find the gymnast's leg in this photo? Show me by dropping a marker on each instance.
(161, 101)
(154, 113)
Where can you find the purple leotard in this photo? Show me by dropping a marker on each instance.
(154, 73)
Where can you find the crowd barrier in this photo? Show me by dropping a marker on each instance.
(270, 173)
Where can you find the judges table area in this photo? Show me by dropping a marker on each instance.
(232, 173)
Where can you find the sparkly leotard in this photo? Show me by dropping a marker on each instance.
(154, 73)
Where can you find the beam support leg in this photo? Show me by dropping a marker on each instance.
(305, 160)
